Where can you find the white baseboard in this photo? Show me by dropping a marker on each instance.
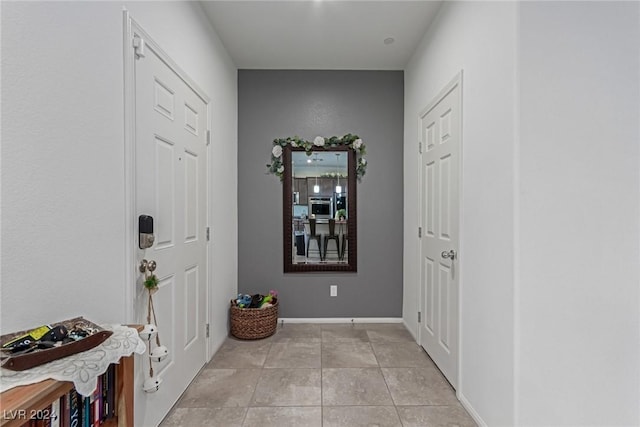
(476, 417)
(340, 320)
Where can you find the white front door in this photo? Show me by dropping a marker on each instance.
(171, 186)
(440, 135)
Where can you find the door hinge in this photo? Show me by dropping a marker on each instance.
(138, 46)
(420, 147)
(208, 234)
(419, 317)
(207, 330)
(420, 232)
(208, 137)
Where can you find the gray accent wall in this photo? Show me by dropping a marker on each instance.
(281, 103)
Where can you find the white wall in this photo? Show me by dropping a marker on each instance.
(578, 305)
(63, 165)
(551, 206)
(478, 38)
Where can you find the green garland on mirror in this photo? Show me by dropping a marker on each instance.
(352, 141)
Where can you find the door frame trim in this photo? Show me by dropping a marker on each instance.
(456, 81)
(130, 29)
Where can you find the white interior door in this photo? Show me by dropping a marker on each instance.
(440, 134)
(171, 186)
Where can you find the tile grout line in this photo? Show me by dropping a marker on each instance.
(385, 381)
(256, 385)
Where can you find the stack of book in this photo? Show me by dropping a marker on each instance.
(75, 410)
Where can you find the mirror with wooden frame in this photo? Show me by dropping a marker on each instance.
(319, 209)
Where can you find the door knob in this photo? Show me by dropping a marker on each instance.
(451, 254)
(149, 266)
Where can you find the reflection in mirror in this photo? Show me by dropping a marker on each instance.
(319, 201)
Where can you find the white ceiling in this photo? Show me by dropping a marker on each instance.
(320, 34)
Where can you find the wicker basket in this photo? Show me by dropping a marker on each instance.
(253, 323)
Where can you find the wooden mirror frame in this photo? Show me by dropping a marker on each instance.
(287, 215)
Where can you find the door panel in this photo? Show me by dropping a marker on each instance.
(445, 302)
(191, 305)
(163, 303)
(429, 308)
(191, 196)
(441, 136)
(445, 198)
(164, 193)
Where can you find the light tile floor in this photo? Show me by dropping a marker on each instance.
(331, 375)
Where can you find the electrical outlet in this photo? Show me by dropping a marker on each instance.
(333, 291)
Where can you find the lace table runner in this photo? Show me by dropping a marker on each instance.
(82, 368)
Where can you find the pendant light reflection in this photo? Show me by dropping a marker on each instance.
(316, 188)
(338, 186)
